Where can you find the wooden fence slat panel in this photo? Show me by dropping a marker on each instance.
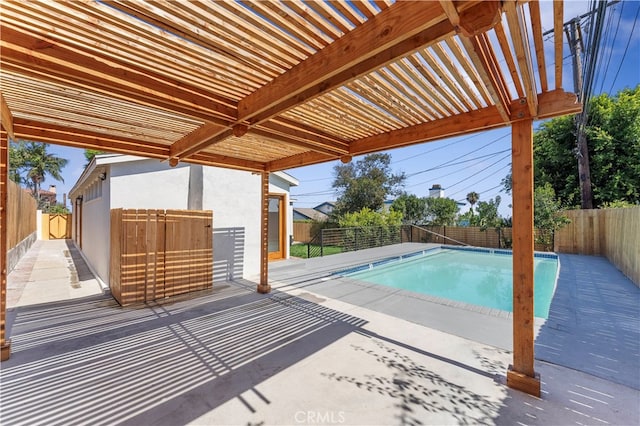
(141, 255)
(613, 233)
(21, 214)
(302, 232)
(161, 254)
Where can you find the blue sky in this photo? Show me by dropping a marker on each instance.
(477, 162)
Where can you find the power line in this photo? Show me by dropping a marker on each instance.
(482, 192)
(481, 180)
(459, 157)
(440, 177)
(314, 194)
(449, 164)
(438, 148)
(481, 171)
(613, 42)
(624, 55)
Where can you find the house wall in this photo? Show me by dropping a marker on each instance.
(149, 184)
(234, 197)
(325, 208)
(96, 229)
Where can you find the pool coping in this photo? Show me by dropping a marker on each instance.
(343, 273)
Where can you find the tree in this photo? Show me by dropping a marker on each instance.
(411, 207)
(32, 165)
(613, 135)
(367, 217)
(90, 153)
(17, 162)
(441, 211)
(365, 183)
(547, 214)
(488, 216)
(472, 198)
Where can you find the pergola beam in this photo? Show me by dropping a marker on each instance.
(206, 135)
(6, 117)
(474, 121)
(269, 134)
(297, 129)
(290, 133)
(299, 160)
(395, 32)
(551, 104)
(60, 135)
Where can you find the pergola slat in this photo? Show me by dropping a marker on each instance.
(517, 28)
(486, 71)
(534, 11)
(558, 35)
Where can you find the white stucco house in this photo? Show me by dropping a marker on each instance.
(125, 181)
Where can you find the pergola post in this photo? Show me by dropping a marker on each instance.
(521, 375)
(5, 345)
(263, 286)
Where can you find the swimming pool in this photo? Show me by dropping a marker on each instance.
(475, 276)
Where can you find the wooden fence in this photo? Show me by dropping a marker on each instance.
(157, 253)
(613, 233)
(56, 226)
(302, 232)
(21, 214)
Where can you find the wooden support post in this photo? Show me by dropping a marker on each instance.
(5, 344)
(521, 375)
(263, 286)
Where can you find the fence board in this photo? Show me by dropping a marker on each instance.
(613, 233)
(302, 232)
(156, 254)
(21, 214)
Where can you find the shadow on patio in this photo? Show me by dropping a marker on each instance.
(91, 361)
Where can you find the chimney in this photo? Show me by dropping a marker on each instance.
(436, 191)
(52, 188)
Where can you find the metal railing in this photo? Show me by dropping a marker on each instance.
(340, 240)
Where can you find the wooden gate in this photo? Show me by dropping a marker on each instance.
(157, 253)
(56, 226)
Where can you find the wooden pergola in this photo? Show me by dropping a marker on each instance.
(270, 85)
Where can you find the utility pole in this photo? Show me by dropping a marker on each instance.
(574, 35)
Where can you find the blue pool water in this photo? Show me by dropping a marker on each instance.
(478, 278)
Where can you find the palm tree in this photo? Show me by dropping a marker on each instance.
(473, 198)
(39, 163)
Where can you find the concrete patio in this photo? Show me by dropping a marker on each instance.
(299, 356)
